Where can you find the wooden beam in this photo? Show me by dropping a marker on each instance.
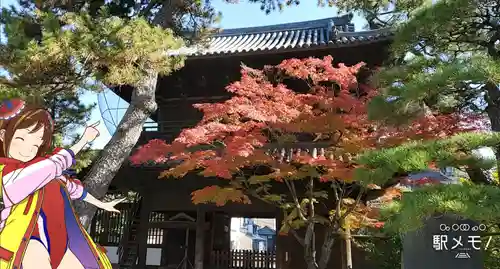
(200, 239)
(176, 224)
(142, 237)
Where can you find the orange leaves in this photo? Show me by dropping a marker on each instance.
(339, 173)
(217, 167)
(378, 224)
(358, 216)
(319, 70)
(180, 170)
(205, 133)
(308, 159)
(391, 194)
(155, 150)
(354, 146)
(308, 123)
(244, 145)
(219, 196)
(427, 127)
(284, 170)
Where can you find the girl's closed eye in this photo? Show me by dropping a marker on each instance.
(20, 138)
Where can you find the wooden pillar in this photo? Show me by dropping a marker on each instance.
(104, 236)
(199, 257)
(142, 237)
(283, 243)
(164, 243)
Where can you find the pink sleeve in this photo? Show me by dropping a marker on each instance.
(75, 189)
(19, 183)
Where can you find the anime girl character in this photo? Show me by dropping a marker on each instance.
(38, 226)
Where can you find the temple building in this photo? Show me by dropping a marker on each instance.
(163, 229)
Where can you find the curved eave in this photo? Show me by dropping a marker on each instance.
(343, 39)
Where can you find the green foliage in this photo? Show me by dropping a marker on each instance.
(443, 85)
(191, 19)
(448, 26)
(76, 48)
(445, 60)
(382, 253)
(68, 111)
(85, 159)
(51, 54)
(379, 166)
(473, 201)
(492, 252)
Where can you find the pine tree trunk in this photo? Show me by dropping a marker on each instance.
(493, 111)
(118, 149)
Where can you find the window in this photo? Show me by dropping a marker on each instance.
(448, 171)
(262, 246)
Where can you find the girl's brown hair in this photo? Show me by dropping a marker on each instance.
(30, 116)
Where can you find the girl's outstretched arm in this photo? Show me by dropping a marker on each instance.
(89, 135)
(77, 192)
(19, 181)
(78, 146)
(74, 187)
(108, 206)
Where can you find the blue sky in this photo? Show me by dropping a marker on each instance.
(234, 16)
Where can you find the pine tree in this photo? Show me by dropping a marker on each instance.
(112, 42)
(57, 54)
(444, 58)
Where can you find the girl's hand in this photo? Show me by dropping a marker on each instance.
(91, 132)
(88, 136)
(110, 206)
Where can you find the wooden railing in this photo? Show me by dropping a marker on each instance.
(107, 228)
(113, 229)
(242, 259)
(132, 214)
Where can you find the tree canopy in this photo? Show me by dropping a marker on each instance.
(59, 50)
(297, 136)
(444, 59)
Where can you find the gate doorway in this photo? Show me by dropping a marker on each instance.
(179, 244)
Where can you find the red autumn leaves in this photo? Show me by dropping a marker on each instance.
(264, 110)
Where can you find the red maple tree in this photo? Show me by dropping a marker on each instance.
(299, 124)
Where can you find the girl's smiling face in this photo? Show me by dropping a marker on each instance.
(26, 143)
(27, 135)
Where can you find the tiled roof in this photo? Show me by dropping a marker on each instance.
(329, 32)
